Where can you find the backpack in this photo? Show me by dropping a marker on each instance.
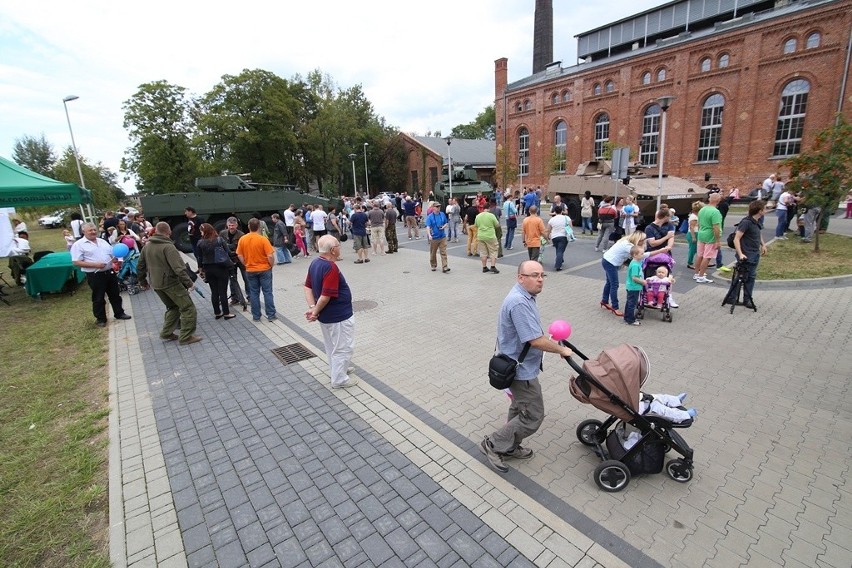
(733, 234)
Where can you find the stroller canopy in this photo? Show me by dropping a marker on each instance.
(621, 371)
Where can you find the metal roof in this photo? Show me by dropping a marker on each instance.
(476, 153)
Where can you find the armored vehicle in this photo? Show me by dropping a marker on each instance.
(221, 197)
(596, 176)
(465, 184)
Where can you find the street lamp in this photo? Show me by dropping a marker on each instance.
(366, 177)
(354, 183)
(449, 140)
(665, 103)
(65, 102)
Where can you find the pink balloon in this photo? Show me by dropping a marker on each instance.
(559, 330)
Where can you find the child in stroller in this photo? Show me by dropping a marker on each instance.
(658, 283)
(612, 383)
(125, 269)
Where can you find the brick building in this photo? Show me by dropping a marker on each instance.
(427, 155)
(753, 81)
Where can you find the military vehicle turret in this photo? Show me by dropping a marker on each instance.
(221, 197)
(596, 176)
(465, 184)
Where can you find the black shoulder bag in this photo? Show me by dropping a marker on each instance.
(502, 368)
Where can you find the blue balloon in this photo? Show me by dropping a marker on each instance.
(120, 250)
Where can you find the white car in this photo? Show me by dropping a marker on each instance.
(55, 219)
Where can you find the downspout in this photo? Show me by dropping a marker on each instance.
(845, 79)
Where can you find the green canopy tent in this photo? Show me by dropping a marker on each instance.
(20, 187)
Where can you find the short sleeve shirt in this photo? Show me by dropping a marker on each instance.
(98, 251)
(325, 279)
(435, 222)
(634, 269)
(519, 321)
(532, 229)
(486, 223)
(359, 224)
(255, 249)
(707, 217)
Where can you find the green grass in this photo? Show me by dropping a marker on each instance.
(53, 421)
(793, 259)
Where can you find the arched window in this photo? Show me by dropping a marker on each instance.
(609, 87)
(791, 118)
(519, 107)
(649, 145)
(711, 128)
(705, 65)
(790, 45)
(646, 78)
(554, 99)
(601, 134)
(812, 41)
(566, 96)
(560, 146)
(596, 89)
(724, 60)
(661, 74)
(524, 152)
(527, 105)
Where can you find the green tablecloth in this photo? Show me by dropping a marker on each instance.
(50, 274)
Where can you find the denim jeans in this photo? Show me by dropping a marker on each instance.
(453, 231)
(559, 244)
(587, 225)
(782, 222)
(510, 235)
(630, 306)
(748, 285)
(282, 255)
(610, 291)
(261, 281)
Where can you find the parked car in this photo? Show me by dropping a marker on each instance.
(55, 219)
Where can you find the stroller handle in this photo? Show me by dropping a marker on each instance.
(571, 360)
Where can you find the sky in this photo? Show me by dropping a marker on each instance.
(423, 70)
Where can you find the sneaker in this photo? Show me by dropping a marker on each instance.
(673, 304)
(695, 277)
(519, 453)
(272, 318)
(484, 269)
(495, 460)
(703, 280)
(782, 238)
(725, 269)
(350, 382)
(494, 270)
(350, 370)
(633, 323)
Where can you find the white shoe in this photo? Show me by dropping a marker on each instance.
(350, 382)
(695, 276)
(703, 280)
(673, 304)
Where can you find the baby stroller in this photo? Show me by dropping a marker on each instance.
(612, 383)
(650, 266)
(126, 272)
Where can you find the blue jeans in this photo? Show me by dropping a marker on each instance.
(587, 225)
(510, 235)
(453, 231)
(282, 255)
(748, 285)
(610, 291)
(258, 281)
(630, 306)
(782, 222)
(559, 243)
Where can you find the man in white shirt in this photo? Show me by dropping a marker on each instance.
(289, 222)
(94, 257)
(318, 218)
(19, 256)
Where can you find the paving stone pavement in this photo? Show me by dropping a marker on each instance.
(223, 456)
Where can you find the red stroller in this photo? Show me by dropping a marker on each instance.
(612, 383)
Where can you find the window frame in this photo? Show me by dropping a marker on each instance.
(723, 61)
(649, 146)
(814, 34)
(646, 78)
(662, 73)
(600, 134)
(710, 128)
(596, 89)
(792, 111)
(523, 151)
(706, 64)
(560, 145)
(791, 44)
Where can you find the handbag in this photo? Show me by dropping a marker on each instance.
(220, 254)
(502, 368)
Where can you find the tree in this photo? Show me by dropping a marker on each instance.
(824, 173)
(102, 182)
(159, 122)
(484, 126)
(507, 169)
(35, 154)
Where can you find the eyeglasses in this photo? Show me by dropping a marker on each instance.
(536, 275)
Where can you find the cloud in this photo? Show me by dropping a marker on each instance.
(424, 67)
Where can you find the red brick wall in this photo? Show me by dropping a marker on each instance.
(758, 71)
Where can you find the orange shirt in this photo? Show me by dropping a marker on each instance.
(532, 229)
(255, 249)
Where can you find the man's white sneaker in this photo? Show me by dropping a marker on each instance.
(695, 277)
(350, 382)
(703, 280)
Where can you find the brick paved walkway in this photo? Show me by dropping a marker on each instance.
(222, 455)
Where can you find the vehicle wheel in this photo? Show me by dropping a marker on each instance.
(679, 470)
(587, 432)
(180, 236)
(612, 476)
(573, 212)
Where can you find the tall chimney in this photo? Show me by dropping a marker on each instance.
(542, 35)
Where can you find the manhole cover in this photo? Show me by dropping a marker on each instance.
(364, 305)
(292, 353)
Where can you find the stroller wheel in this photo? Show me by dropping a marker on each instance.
(679, 470)
(612, 476)
(588, 432)
(667, 317)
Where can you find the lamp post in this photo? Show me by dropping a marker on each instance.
(354, 183)
(665, 103)
(449, 140)
(65, 102)
(366, 176)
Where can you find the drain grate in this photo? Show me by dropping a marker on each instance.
(293, 353)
